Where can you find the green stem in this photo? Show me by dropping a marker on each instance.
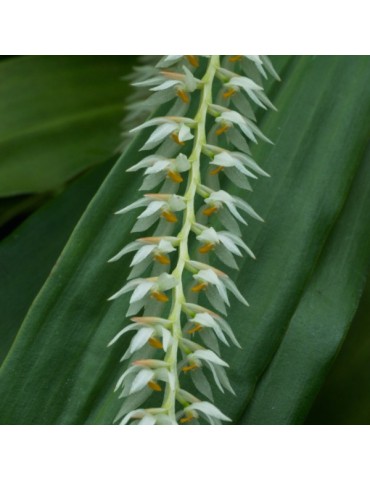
(178, 297)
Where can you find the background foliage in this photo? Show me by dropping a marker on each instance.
(59, 117)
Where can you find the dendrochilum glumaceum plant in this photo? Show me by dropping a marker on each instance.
(179, 298)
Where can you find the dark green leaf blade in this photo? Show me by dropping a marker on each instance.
(30, 252)
(322, 318)
(345, 396)
(58, 116)
(12, 209)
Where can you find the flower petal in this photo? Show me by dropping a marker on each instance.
(141, 380)
(142, 254)
(159, 134)
(140, 291)
(152, 208)
(123, 331)
(139, 203)
(209, 410)
(127, 249)
(209, 356)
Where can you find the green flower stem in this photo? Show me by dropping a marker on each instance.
(178, 297)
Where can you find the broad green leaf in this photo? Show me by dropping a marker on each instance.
(58, 116)
(29, 253)
(345, 396)
(59, 369)
(13, 207)
(320, 322)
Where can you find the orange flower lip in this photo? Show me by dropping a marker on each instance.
(222, 129)
(154, 342)
(162, 259)
(154, 386)
(217, 170)
(169, 216)
(175, 176)
(176, 139)
(186, 419)
(188, 368)
(208, 211)
(195, 329)
(160, 296)
(199, 287)
(193, 60)
(235, 58)
(183, 95)
(229, 93)
(206, 248)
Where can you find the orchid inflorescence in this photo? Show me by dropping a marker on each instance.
(204, 136)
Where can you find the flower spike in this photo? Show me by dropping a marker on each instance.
(178, 300)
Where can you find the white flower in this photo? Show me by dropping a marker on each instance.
(143, 286)
(158, 164)
(217, 200)
(177, 127)
(202, 316)
(156, 246)
(181, 83)
(225, 160)
(207, 276)
(230, 118)
(157, 252)
(248, 162)
(149, 330)
(223, 243)
(170, 60)
(145, 373)
(234, 82)
(199, 356)
(148, 416)
(233, 163)
(205, 320)
(211, 413)
(157, 204)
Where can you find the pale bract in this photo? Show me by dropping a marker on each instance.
(176, 294)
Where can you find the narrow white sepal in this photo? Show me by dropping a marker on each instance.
(141, 380)
(123, 331)
(140, 291)
(159, 134)
(152, 208)
(141, 254)
(208, 409)
(127, 249)
(140, 339)
(139, 203)
(209, 356)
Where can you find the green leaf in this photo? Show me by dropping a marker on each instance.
(321, 319)
(58, 116)
(345, 396)
(29, 253)
(13, 207)
(59, 369)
